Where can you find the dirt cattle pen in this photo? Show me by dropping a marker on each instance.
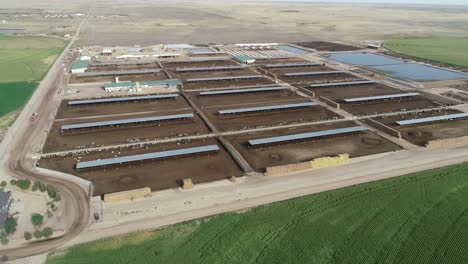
(76, 78)
(227, 83)
(246, 95)
(259, 119)
(120, 66)
(421, 133)
(158, 173)
(355, 144)
(159, 106)
(198, 63)
(315, 74)
(217, 72)
(327, 46)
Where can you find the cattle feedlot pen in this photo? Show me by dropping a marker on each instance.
(431, 119)
(265, 108)
(122, 99)
(225, 78)
(146, 156)
(248, 90)
(318, 85)
(380, 97)
(125, 121)
(270, 140)
(293, 74)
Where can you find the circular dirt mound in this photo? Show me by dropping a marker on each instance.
(371, 141)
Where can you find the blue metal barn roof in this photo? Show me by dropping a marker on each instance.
(244, 90)
(431, 119)
(147, 156)
(125, 121)
(217, 68)
(380, 97)
(128, 72)
(262, 141)
(297, 64)
(318, 85)
(122, 99)
(265, 108)
(293, 74)
(225, 78)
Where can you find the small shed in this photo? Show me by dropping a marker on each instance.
(244, 59)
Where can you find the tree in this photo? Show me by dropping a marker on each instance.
(37, 234)
(4, 239)
(37, 219)
(3, 184)
(23, 184)
(13, 182)
(51, 191)
(57, 198)
(47, 232)
(10, 225)
(27, 236)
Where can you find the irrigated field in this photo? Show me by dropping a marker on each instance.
(443, 50)
(24, 61)
(419, 218)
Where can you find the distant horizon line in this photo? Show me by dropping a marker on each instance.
(374, 2)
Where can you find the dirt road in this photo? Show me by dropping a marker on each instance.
(23, 139)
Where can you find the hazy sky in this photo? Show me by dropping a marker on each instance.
(427, 2)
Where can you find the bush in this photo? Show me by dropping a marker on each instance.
(47, 232)
(27, 236)
(10, 225)
(4, 239)
(13, 182)
(37, 234)
(57, 198)
(23, 184)
(37, 219)
(39, 186)
(3, 184)
(51, 191)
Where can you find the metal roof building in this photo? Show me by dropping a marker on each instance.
(298, 74)
(332, 84)
(244, 59)
(293, 137)
(290, 65)
(147, 156)
(217, 68)
(431, 119)
(122, 99)
(169, 83)
(5, 202)
(244, 90)
(266, 108)
(111, 73)
(380, 97)
(226, 78)
(125, 121)
(79, 66)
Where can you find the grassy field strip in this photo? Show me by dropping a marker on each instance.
(6, 121)
(420, 218)
(444, 50)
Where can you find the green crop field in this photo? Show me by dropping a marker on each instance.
(440, 49)
(418, 218)
(24, 61)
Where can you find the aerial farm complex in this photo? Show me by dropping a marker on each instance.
(135, 120)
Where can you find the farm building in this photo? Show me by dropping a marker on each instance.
(5, 201)
(79, 66)
(244, 59)
(136, 86)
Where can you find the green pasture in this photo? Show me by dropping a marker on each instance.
(418, 218)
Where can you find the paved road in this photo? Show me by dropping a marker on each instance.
(23, 139)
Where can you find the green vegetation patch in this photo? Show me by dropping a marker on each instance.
(439, 49)
(27, 58)
(13, 95)
(418, 218)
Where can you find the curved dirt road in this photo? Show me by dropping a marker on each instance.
(23, 139)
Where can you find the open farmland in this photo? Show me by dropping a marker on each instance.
(283, 153)
(158, 174)
(418, 218)
(442, 50)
